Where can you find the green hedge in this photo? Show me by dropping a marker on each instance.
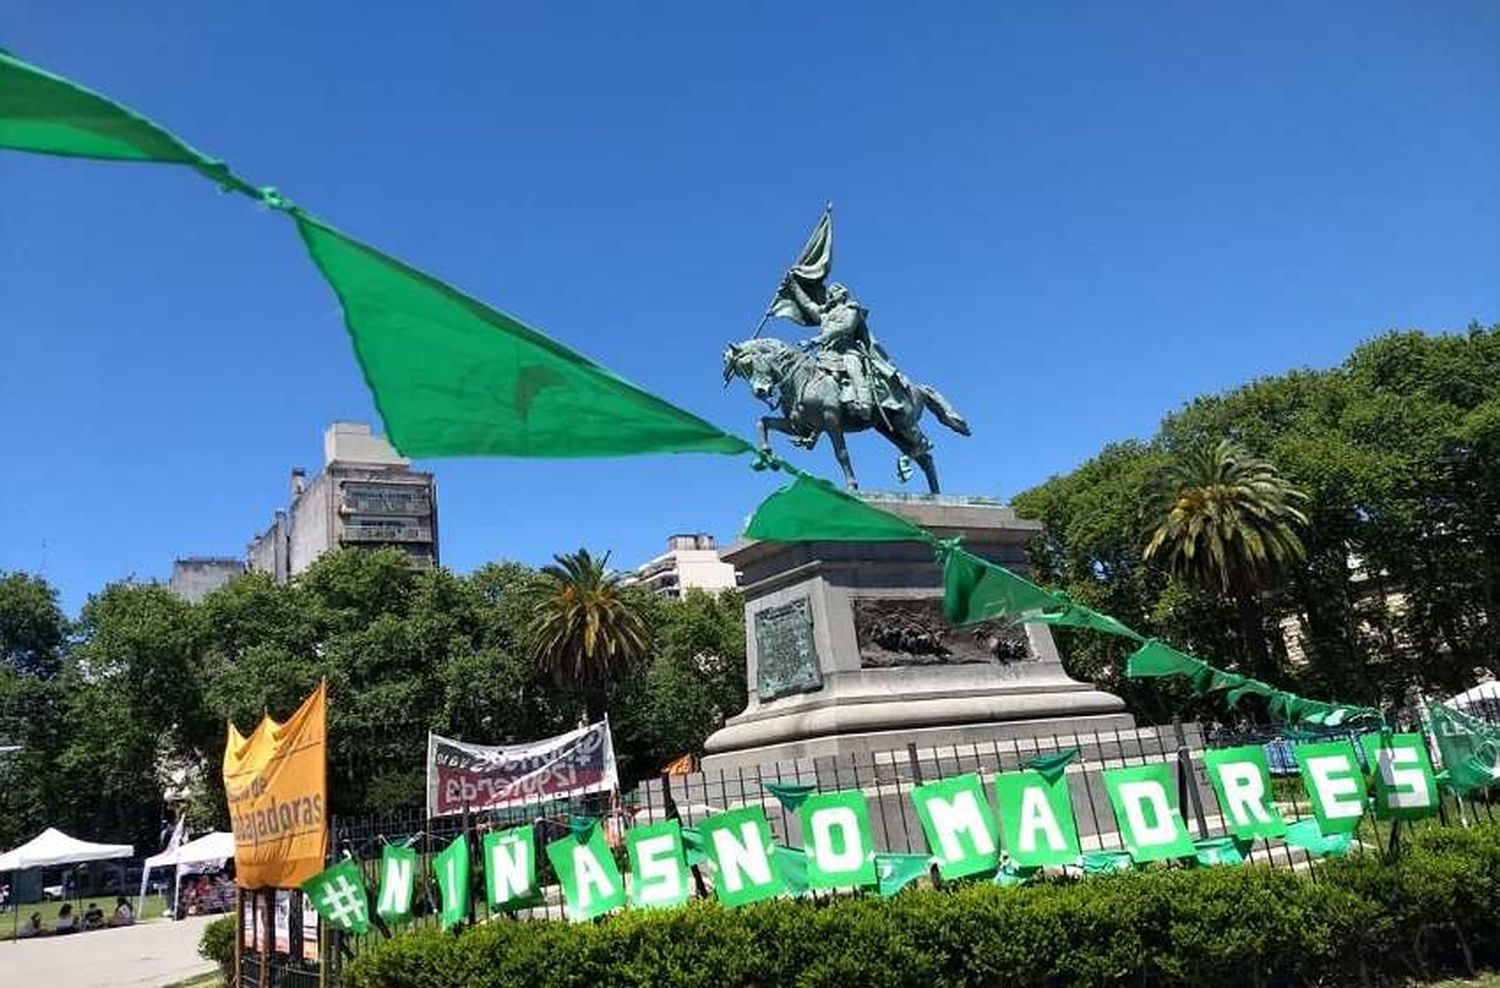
(217, 944)
(1434, 909)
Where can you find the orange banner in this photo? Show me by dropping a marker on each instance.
(277, 786)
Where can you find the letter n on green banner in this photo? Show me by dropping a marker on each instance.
(1405, 788)
(451, 866)
(840, 842)
(510, 868)
(1242, 781)
(1036, 819)
(739, 847)
(590, 879)
(960, 827)
(1331, 773)
(1144, 799)
(658, 866)
(398, 880)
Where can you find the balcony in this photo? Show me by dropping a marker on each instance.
(406, 499)
(386, 530)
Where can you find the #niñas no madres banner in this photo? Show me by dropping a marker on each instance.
(482, 777)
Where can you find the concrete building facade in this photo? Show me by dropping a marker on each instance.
(195, 577)
(691, 561)
(366, 495)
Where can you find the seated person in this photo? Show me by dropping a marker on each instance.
(124, 915)
(66, 923)
(31, 928)
(93, 917)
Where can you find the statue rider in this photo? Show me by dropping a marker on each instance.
(846, 349)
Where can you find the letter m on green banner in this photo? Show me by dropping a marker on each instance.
(961, 830)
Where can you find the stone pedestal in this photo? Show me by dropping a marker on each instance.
(848, 651)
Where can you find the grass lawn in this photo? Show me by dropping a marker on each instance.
(153, 907)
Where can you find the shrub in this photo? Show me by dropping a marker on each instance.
(1434, 909)
(217, 944)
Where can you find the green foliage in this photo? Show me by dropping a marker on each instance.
(32, 627)
(1398, 452)
(1359, 920)
(217, 944)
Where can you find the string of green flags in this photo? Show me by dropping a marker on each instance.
(1008, 828)
(975, 590)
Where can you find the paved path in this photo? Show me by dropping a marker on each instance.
(146, 956)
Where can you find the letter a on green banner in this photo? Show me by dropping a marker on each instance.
(1405, 788)
(658, 866)
(960, 827)
(1242, 781)
(590, 879)
(451, 867)
(739, 847)
(1036, 819)
(1334, 782)
(839, 840)
(510, 868)
(398, 881)
(1144, 799)
(453, 377)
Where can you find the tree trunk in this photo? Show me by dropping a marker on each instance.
(1253, 637)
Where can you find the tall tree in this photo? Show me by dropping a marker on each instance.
(1229, 523)
(585, 626)
(32, 627)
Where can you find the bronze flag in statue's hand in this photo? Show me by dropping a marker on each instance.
(810, 271)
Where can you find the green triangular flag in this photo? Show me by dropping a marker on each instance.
(1077, 616)
(1009, 873)
(49, 114)
(1308, 836)
(976, 590)
(1051, 767)
(792, 863)
(790, 794)
(1218, 851)
(893, 872)
(453, 377)
(1156, 659)
(811, 509)
(338, 894)
(695, 848)
(582, 827)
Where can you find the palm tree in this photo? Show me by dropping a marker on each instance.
(585, 627)
(1228, 522)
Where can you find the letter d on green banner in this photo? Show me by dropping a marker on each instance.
(1144, 799)
(1036, 819)
(840, 843)
(960, 828)
(658, 869)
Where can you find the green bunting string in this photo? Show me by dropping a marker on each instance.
(976, 589)
(790, 794)
(811, 509)
(1051, 767)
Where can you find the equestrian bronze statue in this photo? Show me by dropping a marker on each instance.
(839, 381)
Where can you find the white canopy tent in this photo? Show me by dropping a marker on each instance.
(52, 847)
(208, 851)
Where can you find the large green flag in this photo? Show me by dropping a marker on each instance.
(453, 377)
(976, 590)
(48, 114)
(810, 509)
(338, 894)
(1470, 748)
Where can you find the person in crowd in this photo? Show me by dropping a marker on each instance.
(66, 921)
(124, 915)
(93, 917)
(31, 928)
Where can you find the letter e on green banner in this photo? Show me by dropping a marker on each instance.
(1036, 819)
(1242, 781)
(658, 866)
(840, 842)
(1144, 799)
(1331, 773)
(739, 848)
(960, 827)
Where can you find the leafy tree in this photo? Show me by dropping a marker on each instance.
(585, 627)
(1228, 522)
(32, 626)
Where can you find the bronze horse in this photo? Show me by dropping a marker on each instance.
(808, 396)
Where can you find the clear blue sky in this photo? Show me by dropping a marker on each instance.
(1069, 217)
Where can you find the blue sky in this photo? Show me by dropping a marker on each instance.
(1071, 218)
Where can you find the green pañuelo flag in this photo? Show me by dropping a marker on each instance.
(976, 590)
(338, 894)
(1155, 659)
(1470, 748)
(451, 867)
(453, 377)
(893, 872)
(810, 509)
(398, 881)
(48, 114)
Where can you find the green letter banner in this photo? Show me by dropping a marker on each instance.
(739, 847)
(1036, 819)
(1242, 781)
(1331, 774)
(591, 882)
(338, 894)
(977, 590)
(960, 829)
(811, 509)
(48, 114)
(398, 879)
(453, 377)
(1405, 788)
(840, 843)
(510, 868)
(1144, 799)
(451, 866)
(658, 867)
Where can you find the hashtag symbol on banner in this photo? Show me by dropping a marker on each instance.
(344, 903)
